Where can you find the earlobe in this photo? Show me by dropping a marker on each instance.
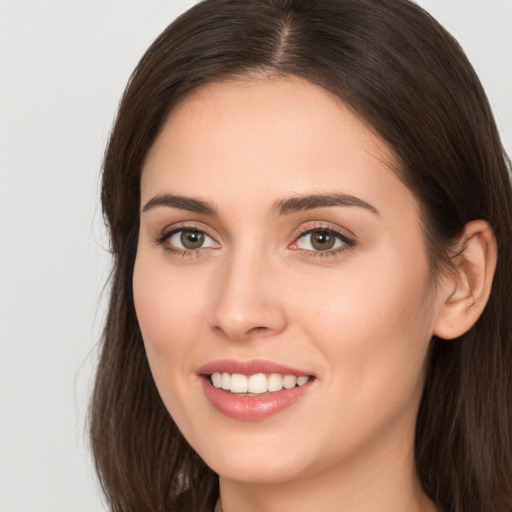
(465, 289)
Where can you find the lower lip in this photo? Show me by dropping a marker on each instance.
(252, 407)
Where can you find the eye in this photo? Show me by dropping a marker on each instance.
(189, 239)
(322, 240)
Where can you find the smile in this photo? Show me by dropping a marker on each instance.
(253, 390)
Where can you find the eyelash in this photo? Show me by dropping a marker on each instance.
(347, 242)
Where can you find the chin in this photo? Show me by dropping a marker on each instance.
(256, 470)
(258, 458)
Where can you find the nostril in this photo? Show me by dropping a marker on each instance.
(261, 330)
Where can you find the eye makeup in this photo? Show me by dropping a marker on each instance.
(315, 240)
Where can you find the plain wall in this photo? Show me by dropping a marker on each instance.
(63, 66)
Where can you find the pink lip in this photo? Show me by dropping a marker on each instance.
(249, 368)
(251, 407)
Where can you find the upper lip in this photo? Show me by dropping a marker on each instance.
(250, 367)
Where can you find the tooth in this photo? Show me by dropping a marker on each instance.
(216, 379)
(257, 383)
(275, 382)
(226, 381)
(302, 380)
(238, 383)
(289, 381)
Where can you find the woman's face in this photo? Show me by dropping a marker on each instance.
(276, 240)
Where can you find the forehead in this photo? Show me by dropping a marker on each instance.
(280, 135)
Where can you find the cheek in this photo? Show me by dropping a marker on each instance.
(167, 310)
(383, 297)
(375, 335)
(167, 303)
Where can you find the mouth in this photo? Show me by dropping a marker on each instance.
(253, 390)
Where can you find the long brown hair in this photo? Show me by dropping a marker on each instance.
(409, 79)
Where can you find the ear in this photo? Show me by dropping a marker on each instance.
(465, 289)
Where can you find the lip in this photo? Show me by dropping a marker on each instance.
(247, 406)
(250, 367)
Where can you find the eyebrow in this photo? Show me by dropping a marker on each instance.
(181, 202)
(281, 207)
(309, 202)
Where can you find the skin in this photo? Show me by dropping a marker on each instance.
(359, 319)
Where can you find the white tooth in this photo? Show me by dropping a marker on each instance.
(275, 382)
(257, 383)
(216, 379)
(289, 381)
(302, 380)
(238, 383)
(226, 381)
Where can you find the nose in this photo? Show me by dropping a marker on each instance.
(248, 302)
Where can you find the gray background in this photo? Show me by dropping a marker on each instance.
(63, 66)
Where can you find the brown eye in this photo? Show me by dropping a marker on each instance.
(322, 240)
(191, 239)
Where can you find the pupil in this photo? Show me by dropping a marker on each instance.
(323, 241)
(192, 239)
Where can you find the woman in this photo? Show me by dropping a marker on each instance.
(310, 215)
